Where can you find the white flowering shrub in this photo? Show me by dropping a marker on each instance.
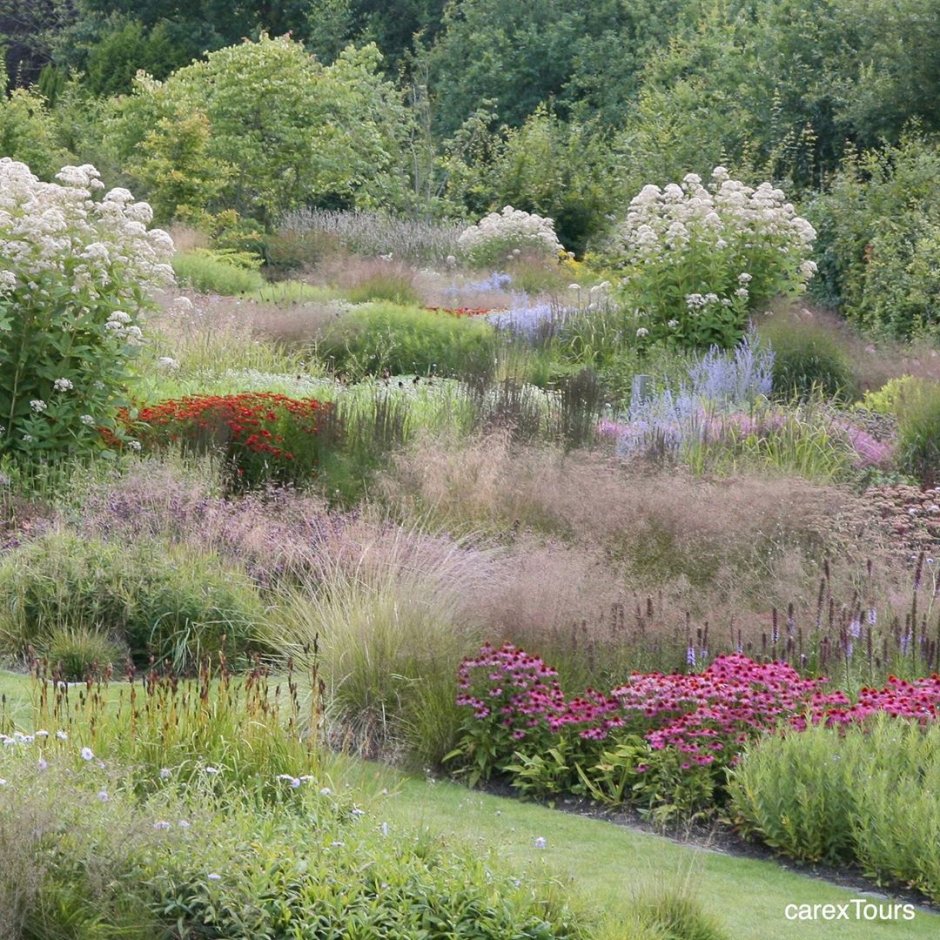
(75, 267)
(512, 233)
(698, 259)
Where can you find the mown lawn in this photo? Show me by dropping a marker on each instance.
(609, 864)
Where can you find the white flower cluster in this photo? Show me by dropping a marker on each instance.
(511, 230)
(119, 325)
(725, 213)
(60, 228)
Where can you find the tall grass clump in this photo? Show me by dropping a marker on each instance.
(392, 614)
(808, 359)
(918, 451)
(863, 795)
(675, 914)
(169, 602)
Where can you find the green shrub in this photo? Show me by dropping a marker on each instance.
(918, 451)
(406, 341)
(862, 795)
(897, 829)
(808, 360)
(78, 652)
(217, 272)
(879, 229)
(161, 600)
(893, 396)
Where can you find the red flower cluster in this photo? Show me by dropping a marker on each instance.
(247, 420)
(461, 311)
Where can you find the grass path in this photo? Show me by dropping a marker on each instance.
(608, 864)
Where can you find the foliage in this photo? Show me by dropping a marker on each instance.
(217, 272)
(857, 796)
(264, 437)
(28, 133)
(893, 396)
(697, 259)
(75, 272)
(370, 339)
(252, 731)
(562, 170)
(167, 601)
(122, 47)
(878, 226)
(175, 164)
(107, 849)
(325, 134)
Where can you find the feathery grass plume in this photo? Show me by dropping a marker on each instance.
(394, 611)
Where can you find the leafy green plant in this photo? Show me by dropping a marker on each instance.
(808, 360)
(892, 397)
(882, 275)
(797, 792)
(862, 795)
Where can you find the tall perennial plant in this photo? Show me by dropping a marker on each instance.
(507, 234)
(697, 259)
(75, 267)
